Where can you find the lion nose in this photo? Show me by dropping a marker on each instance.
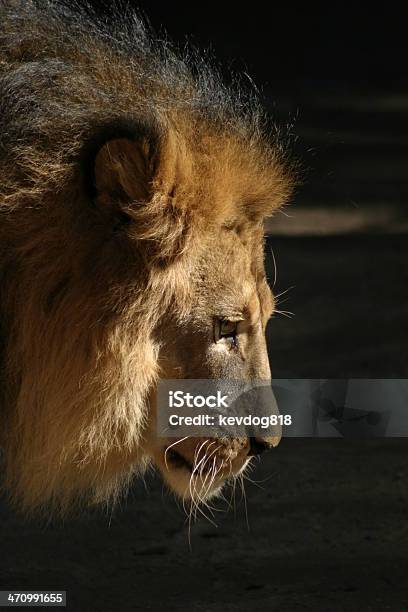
(257, 446)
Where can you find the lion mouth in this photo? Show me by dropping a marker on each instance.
(178, 461)
(198, 470)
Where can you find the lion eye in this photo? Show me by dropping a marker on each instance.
(228, 328)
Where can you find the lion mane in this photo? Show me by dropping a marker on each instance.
(84, 283)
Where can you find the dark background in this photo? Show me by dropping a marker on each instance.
(328, 523)
(338, 71)
(321, 42)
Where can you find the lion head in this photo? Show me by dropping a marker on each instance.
(132, 196)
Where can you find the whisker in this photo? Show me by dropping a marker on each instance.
(278, 295)
(209, 457)
(243, 496)
(195, 494)
(171, 446)
(253, 482)
(285, 313)
(274, 267)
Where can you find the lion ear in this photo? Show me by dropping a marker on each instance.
(134, 178)
(123, 172)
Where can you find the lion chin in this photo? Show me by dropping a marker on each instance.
(197, 468)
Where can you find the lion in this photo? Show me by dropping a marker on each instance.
(133, 189)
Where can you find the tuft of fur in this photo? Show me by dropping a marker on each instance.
(84, 285)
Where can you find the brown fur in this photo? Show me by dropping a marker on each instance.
(126, 184)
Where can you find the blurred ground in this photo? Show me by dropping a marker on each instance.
(327, 532)
(348, 295)
(352, 143)
(328, 527)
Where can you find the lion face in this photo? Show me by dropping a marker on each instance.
(221, 336)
